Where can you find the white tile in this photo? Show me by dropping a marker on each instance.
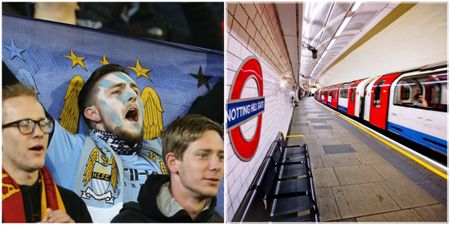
(245, 52)
(233, 64)
(234, 46)
(234, 190)
(231, 210)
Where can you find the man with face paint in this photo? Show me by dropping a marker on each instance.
(108, 166)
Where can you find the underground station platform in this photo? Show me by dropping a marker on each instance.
(361, 177)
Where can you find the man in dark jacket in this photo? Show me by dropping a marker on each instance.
(193, 152)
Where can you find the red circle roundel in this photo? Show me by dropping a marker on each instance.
(241, 110)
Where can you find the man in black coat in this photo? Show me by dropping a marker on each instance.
(193, 152)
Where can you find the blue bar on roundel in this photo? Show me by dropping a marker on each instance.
(242, 110)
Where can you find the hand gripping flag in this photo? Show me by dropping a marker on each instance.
(56, 59)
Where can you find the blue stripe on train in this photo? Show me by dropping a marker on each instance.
(419, 137)
(342, 108)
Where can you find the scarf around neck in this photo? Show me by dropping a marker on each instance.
(13, 210)
(118, 145)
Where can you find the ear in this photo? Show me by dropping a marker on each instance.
(92, 113)
(172, 162)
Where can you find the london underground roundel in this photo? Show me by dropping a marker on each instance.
(241, 110)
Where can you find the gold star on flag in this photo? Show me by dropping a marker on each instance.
(76, 60)
(140, 71)
(104, 60)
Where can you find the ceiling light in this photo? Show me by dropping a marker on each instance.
(331, 43)
(306, 25)
(343, 25)
(323, 55)
(283, 83)
(356, 5)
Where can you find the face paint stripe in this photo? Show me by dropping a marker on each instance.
(123, 76)
(126, 95)
(110, 113)
(105, 84)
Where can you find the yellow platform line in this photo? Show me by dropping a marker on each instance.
(417, 160)
(291, 135)
(295, 136)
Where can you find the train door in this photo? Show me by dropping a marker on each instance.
(359, 101)
(343, 98)
(367, 100)
(334, 102)
(352, 97)
(325, 95)
(329, 95)
(380, 99)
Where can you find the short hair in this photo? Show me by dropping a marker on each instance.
(183, 131)
(16, 90)
(88, 87)
(12, 87)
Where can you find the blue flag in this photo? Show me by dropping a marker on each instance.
(56, 59)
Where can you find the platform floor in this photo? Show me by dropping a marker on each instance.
(357, 178)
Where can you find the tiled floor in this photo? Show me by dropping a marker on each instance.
(358, 178)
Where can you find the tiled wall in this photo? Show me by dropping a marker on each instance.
(254, 30)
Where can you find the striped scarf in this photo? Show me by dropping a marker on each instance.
(118, 145)
(13, 210)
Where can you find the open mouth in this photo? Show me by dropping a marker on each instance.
(36, 148)
(132, 115)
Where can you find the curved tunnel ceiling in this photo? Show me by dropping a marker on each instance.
(330, 28)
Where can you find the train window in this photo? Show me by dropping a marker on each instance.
(377, 94)
(405, 93)
(435, 95)
(405, 90)
(428, 91)
(343, 92)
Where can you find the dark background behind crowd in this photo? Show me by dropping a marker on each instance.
(199, 24)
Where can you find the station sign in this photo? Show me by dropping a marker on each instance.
(241, 110)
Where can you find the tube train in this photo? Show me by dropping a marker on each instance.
(411, 104)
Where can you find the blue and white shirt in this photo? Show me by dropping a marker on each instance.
(105, 180)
